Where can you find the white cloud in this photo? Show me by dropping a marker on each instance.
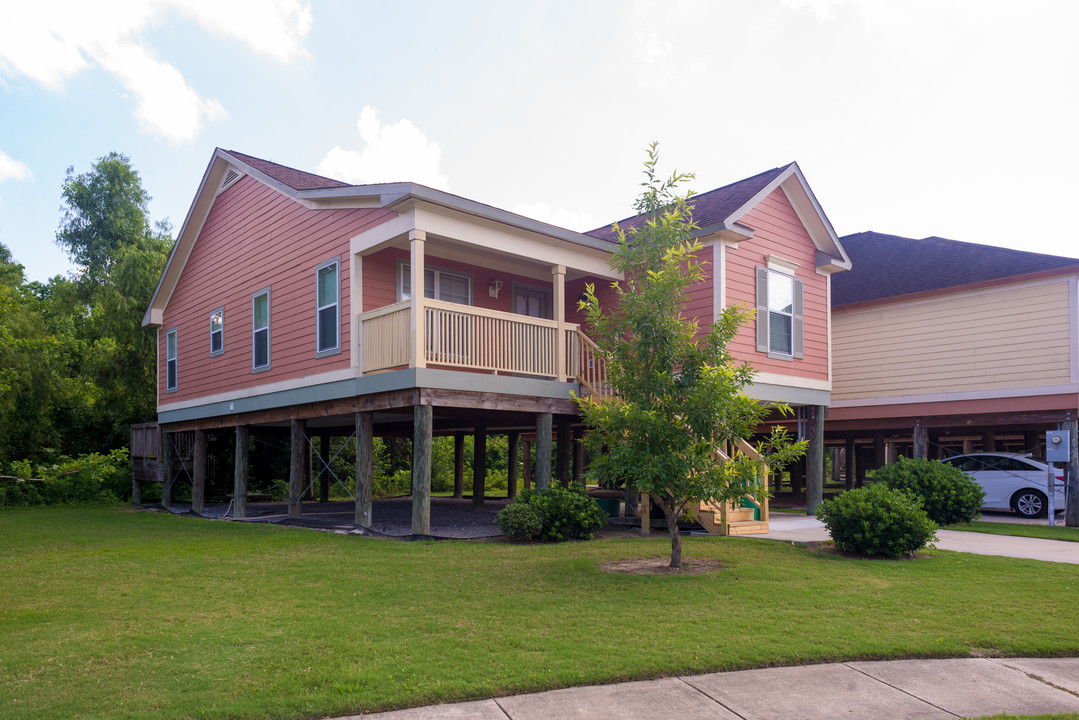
(274, 28)
(652, 48)
(12, 169)
(391, 153)
(563, 218)
(50, 41)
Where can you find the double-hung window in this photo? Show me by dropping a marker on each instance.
(328, 320)
(260, 331)
(170, 361)
(779, 314)
(438, 284)
(217, 332)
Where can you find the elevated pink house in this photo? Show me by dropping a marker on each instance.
(288, 302)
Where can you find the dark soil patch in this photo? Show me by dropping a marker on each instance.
(661, 566)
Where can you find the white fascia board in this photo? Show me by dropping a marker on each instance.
(504, 217)
(185, 240)
(520, 242)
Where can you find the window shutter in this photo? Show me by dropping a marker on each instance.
(762, 309)
(798, 344)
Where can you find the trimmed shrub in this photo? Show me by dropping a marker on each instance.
(947, 493)
(565, 513)
(877, 521)
(520, 522)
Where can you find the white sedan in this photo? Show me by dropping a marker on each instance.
(1012, 481)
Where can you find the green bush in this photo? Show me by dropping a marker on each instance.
(947, 493)
(566, 513)
(520, 521)
(877, 521)
(89, 478)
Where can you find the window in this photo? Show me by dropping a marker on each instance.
(328, 308)
(170, 361)
(217, 332)
(438, 284)
(260, 331)
(779, 314)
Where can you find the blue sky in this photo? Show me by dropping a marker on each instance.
(915, 118)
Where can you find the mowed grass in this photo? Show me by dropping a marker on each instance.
(106, 612)
(1058, 532)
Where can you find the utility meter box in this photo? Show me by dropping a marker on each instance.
(1056, 446)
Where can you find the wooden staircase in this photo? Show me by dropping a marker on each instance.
(733, 518)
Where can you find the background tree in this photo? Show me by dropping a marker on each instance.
(678, 393)
(106, 230)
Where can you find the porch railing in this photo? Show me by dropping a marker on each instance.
(386, 339)
(463, 336)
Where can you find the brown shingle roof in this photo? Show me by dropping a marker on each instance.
(886, 266)
(295, 179)
(709, 208)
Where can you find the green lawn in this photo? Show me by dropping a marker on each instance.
(106, 612)
(1035, 531)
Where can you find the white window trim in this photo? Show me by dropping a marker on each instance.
(403, 263)
(782, 265)
(336, 349)
(269, 345)
(783, 274)
(175, 360)
(221, 311)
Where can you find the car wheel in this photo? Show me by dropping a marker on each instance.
(1029, 503)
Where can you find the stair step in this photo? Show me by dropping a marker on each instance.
(747, 527)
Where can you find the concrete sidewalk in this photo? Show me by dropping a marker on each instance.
(804, 528)
(965, 687)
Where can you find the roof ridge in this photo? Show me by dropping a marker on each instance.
(290, 176)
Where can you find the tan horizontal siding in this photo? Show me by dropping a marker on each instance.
(1012, 337)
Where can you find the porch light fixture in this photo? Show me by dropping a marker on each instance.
(494, 287)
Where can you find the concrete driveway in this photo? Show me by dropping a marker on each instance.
(806, 528)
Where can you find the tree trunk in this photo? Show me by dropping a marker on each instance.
(672, 527)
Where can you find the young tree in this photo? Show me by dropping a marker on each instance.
(678, 393)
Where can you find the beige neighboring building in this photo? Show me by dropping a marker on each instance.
(942, 347)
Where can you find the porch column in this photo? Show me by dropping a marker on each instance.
(166, 470)
(543, 451)
(421, 468)
(558, 276)
(968, 446)
(921, 440)
(239, 472)
(833, 456)
(365, 458)
(479, 466)
(527, 465)
(323, 472)
(198, 489)
(989, 441)
(296, 469)
(880, 451)
(417, 238)
(852, 465)
(814, 458)
(513, 439)
(565, 446)
(459, 464)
